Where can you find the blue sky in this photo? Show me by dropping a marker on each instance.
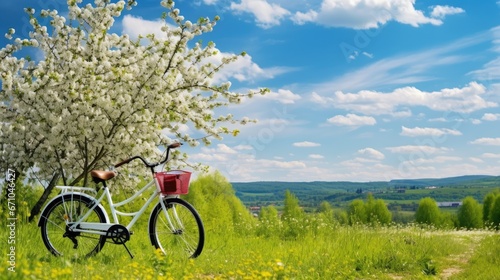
(361, 90)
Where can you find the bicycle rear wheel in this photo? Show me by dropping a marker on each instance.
(178, 229)
(55, 221)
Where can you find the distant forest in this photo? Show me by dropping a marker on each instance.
(401, 193)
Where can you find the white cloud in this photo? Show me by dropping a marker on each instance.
(182, 128)
(210, 2)
(223, 148)
(491, 70)
(316, 156)
(417, 150)
(317, 98)
(490, 117)
(135, 26)
(221, 152)
(432, 160)
(357, 14)
(354, 164)
(284, 96)
(443, 11)
(442, 159)
(463, 100)
(476, 160)
(440, 119)
(428, 131)
(240, 162)
(352, 120)
(364, 14)
(371, 153)
(266, 14)
(243, 147)
(491, 155)
(306, 144)
(409, 68)
(302, 18)
(486, 141)
(243, 69)
(280, 164)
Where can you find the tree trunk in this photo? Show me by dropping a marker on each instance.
(41, 201)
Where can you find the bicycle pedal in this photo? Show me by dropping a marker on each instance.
(131, 232)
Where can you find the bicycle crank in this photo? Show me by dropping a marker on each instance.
(72, 236)
(119, 235)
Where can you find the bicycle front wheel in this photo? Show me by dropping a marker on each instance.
(177, 229)
(56, 220)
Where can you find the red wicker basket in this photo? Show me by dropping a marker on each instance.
(173, 182)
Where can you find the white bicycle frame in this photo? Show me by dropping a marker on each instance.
(102, 228)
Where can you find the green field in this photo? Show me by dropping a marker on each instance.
(310, 245)
(323, 251)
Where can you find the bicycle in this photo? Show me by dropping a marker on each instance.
(75, 223)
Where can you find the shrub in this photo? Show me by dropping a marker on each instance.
(214, 198)
(428, 212)
(357, 212)
(292, 216)
(495, 213)
(470, 214)
(374, 211)
(377, 211)
(269, 221)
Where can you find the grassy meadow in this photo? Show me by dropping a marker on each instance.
(323, 251)
(240, 246)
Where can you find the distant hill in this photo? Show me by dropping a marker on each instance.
(311, 194)
(450, 181)
(273, 186)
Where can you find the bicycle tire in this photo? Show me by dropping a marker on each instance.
(188, 235)
(53, 226)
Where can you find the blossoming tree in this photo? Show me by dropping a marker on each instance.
(96, 97)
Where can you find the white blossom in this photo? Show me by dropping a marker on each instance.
(97, 98)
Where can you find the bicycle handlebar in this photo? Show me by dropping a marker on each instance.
(151, 165)
(123, 162)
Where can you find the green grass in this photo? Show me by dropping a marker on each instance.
(241, 247)
(485, 260)
(319, 251)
